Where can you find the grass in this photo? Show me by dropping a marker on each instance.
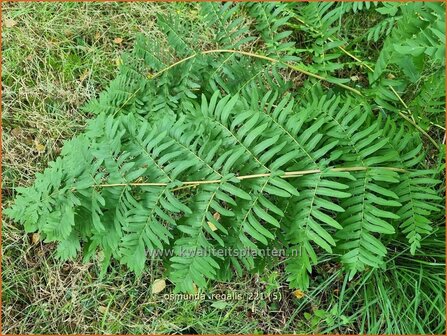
(57, 56)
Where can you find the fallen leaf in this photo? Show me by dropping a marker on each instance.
(97, 35)
(118, 61)
(84, 75)
(118, 40)
(35, 238)
(38, 146)
(100, 256)
(216, 216)
(102, 309)
(299, 294)
(158, 286)
(10, 23)
(195, 289)
(212, 226)
(16, 131)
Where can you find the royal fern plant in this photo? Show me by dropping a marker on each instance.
(224, 148)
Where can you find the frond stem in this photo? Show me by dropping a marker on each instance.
(419, 129)
(298, 173)
(270, 59)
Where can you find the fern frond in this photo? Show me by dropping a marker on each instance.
(231, 32)
(382, 29)
(270, 21)
(429, 103)
(251, 149)
(311, 222)
(416, 190)
(367, 214)
(414, 35)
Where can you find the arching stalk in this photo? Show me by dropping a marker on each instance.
(270, 59)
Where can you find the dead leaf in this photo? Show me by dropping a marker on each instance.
(212, 226)
(102, 309)
(35, 238)
(195, 289)
(158, 286)
(10, 23)
(84, 75)
(118, 40)
(100, 256)
(16, 131)
(97, 35)
(216, 216)
(299, 294)
(38, 146)
(118, 61)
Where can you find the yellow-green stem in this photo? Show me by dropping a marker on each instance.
(270, 59)
(246, 177)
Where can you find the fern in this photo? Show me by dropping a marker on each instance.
(413, 36)
(194, 150)
(222, 140)
(230, 32)
(428, 105)
(271, 20)
(386, 25)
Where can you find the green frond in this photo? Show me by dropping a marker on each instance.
(368, 214)
(177, 40)
(271, 20)
(231, 31)
(429, 103)
(414, 36)
(311, 223)
(416, 190)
